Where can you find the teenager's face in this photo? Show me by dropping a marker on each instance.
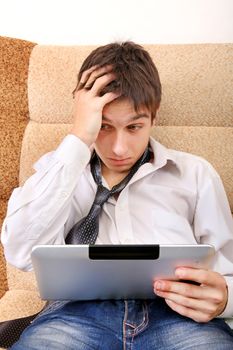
(123, 137)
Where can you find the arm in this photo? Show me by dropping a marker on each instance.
(212, 225)
(38, 211)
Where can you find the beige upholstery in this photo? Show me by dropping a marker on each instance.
(196, 115)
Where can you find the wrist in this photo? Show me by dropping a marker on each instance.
(82, 136)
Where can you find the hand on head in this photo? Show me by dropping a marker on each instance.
(89, 102)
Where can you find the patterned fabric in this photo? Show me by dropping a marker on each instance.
(10, 331)
(86, 230)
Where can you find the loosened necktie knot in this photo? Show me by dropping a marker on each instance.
(102, 195)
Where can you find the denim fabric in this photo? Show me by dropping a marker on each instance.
(126, 325)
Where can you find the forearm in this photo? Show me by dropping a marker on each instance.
(38, 211)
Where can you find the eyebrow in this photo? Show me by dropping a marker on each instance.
(133, 118)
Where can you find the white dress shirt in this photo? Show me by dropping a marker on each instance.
(177, 198)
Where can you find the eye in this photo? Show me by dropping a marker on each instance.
(105, 127)
(134, 127)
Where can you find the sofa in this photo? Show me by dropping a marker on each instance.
(36, 85)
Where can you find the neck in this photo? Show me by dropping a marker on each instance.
(112, 178)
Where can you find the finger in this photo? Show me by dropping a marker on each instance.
(85, 76)
(201, 276)
(102, 82)
(97, 73)
(205, 305)
(186, 289)
(196, 315)
(109, 97)
(82, 82)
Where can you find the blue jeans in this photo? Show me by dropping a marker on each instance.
(119, 324)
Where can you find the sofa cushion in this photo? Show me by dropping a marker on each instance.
(19, 303)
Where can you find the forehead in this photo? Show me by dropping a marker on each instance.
(124, 108)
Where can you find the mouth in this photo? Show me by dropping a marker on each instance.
(123, 161)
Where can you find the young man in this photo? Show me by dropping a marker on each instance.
(153, 195)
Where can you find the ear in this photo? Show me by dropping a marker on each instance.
(154, 122)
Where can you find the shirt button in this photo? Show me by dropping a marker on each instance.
(64, 194)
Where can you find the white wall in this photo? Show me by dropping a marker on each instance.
(102, 21)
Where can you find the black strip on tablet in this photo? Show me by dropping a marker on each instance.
(124, 252)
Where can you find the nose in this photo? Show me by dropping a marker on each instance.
(119, 145)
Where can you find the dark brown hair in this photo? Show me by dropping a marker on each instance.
(137, 75)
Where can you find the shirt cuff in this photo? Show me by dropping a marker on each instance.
(72, 150)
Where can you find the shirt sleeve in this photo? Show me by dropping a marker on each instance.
(213, 224)
(38, 211)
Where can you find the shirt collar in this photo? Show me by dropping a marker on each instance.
(161, 154)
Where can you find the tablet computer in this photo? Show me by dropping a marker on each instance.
(83, 272)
